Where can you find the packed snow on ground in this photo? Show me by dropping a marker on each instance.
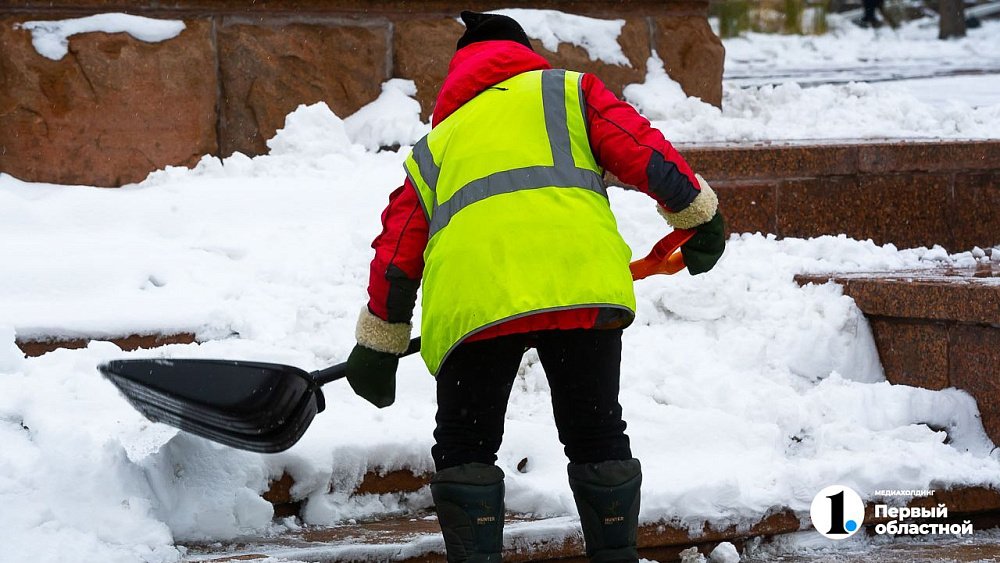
(850, 83)
(597, 36)
(51, 38)
(849, 52)
(789, 111)
(810, 546)
(743, 391)
(944, 91)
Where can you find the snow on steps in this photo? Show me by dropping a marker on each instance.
(36, 347)
(416, 538)
(935, 328)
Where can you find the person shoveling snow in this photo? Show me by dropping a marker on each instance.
(504, 220)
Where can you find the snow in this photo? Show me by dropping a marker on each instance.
(597, 36)
(725, 552)
(743, 391)
(266, 259)
(844, 85)
(51, 38)
(849, 52)
(944, 91)
(790, 111)
(392, 119)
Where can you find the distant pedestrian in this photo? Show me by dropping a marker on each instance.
(870, 20)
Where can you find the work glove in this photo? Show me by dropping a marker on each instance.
(371, 367)
(702, 215)
(372, 375)
(705, 248)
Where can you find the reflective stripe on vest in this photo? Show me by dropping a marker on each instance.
(518, 213)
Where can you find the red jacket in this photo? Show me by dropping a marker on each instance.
(623, 142)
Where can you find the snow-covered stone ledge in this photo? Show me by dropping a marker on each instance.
(217, 77)
(905, 192)
(414, 538)
(935, 328)
(33, 347)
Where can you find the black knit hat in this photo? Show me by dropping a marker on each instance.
(491, 27)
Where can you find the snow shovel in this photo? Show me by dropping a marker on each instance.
(263, 407)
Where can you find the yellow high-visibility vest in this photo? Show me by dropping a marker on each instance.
(518, 213)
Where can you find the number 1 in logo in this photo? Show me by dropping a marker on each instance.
(837, 512)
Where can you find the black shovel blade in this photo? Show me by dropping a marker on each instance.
(252, 406)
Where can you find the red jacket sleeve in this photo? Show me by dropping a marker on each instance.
(399, 257)
(626, 145)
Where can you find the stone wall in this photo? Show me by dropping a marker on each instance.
(907, 193)
(116, 108)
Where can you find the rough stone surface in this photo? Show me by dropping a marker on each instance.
(976, 205)
(112, 110)
(401, 480)
(905, 210)
(404, 8)
(32, 348)
(766, 161)
(974, 358)
(748, 207)
(908, 296)
(634, 40)
(419, 535)
(928, 157)
(888, 208)
(267, 71)
(912, 353)
(693, 55)
(422, 50)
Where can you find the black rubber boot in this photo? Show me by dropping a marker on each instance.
(607, 496)
(469, 502)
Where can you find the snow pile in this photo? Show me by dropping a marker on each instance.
(598, 37)
(743, 391)
(51, 38)
(392, 119)
(790, 111)
(11, 356)
(725, 552)
(312, 132)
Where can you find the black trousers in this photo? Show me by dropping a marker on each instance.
(583, 370)
(870, 6)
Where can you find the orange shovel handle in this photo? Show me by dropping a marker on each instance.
(664, 258)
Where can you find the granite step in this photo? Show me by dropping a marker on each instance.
(935, 328)
(416, 538)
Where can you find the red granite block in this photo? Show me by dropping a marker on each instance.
(912, 353)
(770, 161)
(974, 365)
(906, 210)
(33, 348)
(599, 8)
(109, 112)
(928, 156)
(748, 207)
(693, 55)
(976, 210)
(894, 295)
(422, 49)
(268, 70)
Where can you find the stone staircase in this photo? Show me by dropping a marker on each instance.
(416, 538)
